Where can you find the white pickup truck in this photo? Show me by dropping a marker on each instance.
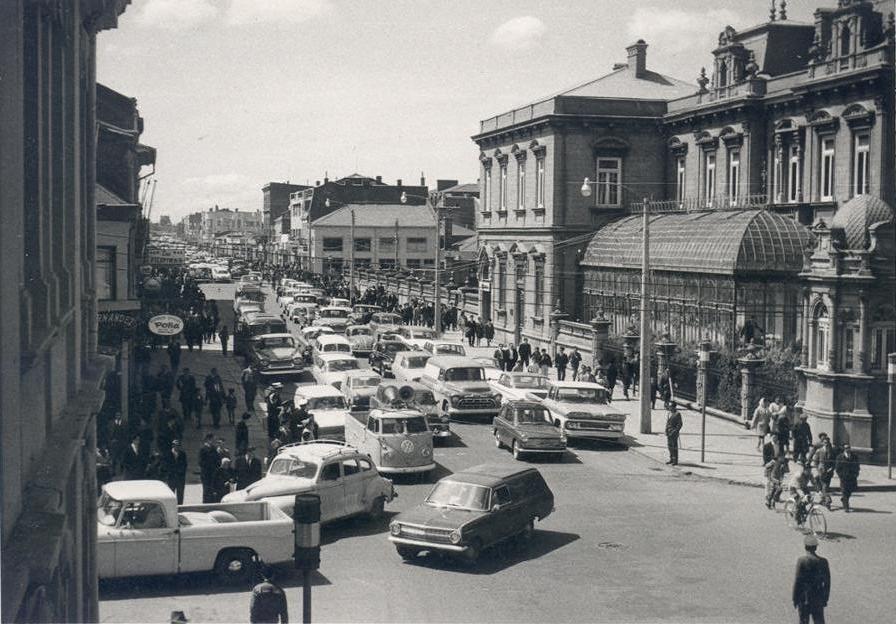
(142, 531)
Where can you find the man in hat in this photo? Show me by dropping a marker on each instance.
(250, 387)
(268, 602)
(673, 428)
(208, 467)
(847, 468)
(246, 468)
(802, 439)
(175, 462)
(812, 584)
(272, 402)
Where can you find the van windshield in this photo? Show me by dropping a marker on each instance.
(326, 403)
(292, 467)
(460, 495)
(413, 424)
(471, 373)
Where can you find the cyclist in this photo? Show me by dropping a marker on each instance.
(799, 485)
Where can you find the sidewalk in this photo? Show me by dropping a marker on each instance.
(730, 456)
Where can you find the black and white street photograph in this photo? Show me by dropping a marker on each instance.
(447, 311)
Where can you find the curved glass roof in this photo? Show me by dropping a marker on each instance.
(720, 242)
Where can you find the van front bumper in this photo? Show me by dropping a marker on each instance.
(404, 541)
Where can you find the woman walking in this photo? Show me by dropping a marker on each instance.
(761, 417)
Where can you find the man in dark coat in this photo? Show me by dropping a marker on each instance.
(246, 469)
(273, 402)
(525, 352)
(214, 394)
(133, 462)
(250, 387)
(847, 468)
(186, 386)
(224, 335)
(560, 363)
(241, 441)
(268, 603)
(812, 584)
(673, 428)
(514, 357)
(575, 360)
(175, 461)
(802, 439)
(612, 376)
(173, 350)
(208, 467)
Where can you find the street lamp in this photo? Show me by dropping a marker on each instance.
(702, 364)
(438, 213)
(644, 374)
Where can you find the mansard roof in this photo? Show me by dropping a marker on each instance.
(715, 242)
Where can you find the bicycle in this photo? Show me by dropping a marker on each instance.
(813, 517)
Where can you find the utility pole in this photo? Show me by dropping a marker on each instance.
(437, 316)
(351, 266)
(397, 267)
(891, 379)
(646, 415)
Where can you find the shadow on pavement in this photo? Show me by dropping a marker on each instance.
(194, 583)
(452, 441)
(691, 465)
(357, 526)
(601, 445)
(832, 536)
(867, 510)
(501, 556)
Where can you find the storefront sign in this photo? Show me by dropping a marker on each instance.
(166, 325)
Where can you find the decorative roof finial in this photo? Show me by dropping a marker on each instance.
(771, 11)
(783, 13)
(702, 80)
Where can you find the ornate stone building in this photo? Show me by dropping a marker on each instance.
(50, 383)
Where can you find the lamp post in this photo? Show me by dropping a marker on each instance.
(702, 365)
(437, 277)
(306, 553)
(644, 374)
(891, 380)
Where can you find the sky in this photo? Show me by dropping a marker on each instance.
(238, 93)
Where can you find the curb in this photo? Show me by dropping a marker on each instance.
(691, 473)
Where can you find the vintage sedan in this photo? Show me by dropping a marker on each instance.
(471, 510)
(345, 479)
(383, 354)
(492, 372)
(328, 406)
(582, 410)
(359, 387)
(525, 427)
(301, 313)
(333, 316)
(384, 322)
(361, 339)
(275, 355)
(309, 334)
(517, 386)
(416, 335)
(444, 347)
(409, 365)
(331, 368)
(361, 313)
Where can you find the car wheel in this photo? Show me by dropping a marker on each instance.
(497, 440)
(407, 553)
(528, 532)
(234, 567)
(515, 449)
(377, 508)
(474, 549)
(445, 407)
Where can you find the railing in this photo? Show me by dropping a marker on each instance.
(700, 204)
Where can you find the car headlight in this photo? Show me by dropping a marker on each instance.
(395, 528)
(264, 363)
(497, 397)
(571, 425)
(455, 400)
(445, 419)
(455, 536)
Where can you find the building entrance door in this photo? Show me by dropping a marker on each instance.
(520, 307)
(485, 304)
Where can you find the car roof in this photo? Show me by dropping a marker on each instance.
(523, 403)
(578, 384)
(364, 372)
(317, 390)
(488, 475)
(516, 374)
(450, 361)
(413, 352)
(334, 337)
(357, 326)
(144, 488)
(329, 307)
(385, 313)
(262, 317)
(319, 450)
(276, 335)
(320, 328)
(329, 357)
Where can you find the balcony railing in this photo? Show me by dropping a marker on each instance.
(701, 204)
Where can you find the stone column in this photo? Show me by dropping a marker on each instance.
(600, 333)
(804, 326)
(556, 317)
(664, 350)
(861, 347)
(630, 341)
(748, 365)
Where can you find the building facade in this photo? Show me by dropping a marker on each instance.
(533, 223)
(276, 199)
(381, 236)
(50, 388)
(216, 220)
(310, 204)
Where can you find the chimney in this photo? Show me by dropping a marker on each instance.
(379, 179)
(317, 183)
(422, 179)
(399, 182)
(637, 58)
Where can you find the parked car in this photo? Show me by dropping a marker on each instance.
(526, 427)
(221, 275)
(331, 343)
(301, 312)
(251, 325)
(308, 335)
(459, 387)
(242, 301)
(492, 372)
(444, 347)
(275, 355)
(471, 510)
(397, 440)
(361, 339)
(422, 400)
(516, 386)
(361, 313)
(333, 316)
(408, 365)
(141, 530)
(383, 322)
(383, 354)
(582, 410)
(331, 368)
(328, 406)
(345, 479)
(358, 387)
(417, 335)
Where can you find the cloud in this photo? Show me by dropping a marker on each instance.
(176, 14)
(519, 33)
(220, 181)
(243, 12)
(673, 31)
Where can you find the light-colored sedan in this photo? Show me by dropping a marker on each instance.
(361, 339)
(444, 347)
(408, 365)
(492, 372)
(521, 386)
(359, 386)
(416, 335)
(332, 368)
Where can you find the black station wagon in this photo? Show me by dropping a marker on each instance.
(471, 510)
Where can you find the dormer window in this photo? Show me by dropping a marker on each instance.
(845, 40)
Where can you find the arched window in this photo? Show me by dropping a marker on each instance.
(821, 337)
(845, 37)
(723, 74)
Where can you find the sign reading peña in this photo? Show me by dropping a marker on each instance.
(166, 325)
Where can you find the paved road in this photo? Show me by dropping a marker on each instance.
(630, 541)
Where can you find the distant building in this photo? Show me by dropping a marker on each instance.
(313, 203)
(458, 201)
(276, 201)
(216, 220)
(190, 228)
(386, 236)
